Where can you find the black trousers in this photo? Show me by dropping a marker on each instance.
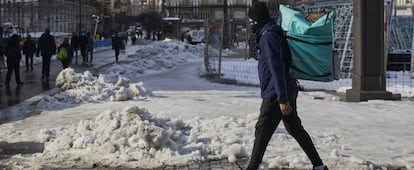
(46, 66)
(29, 61)
(116, 54)
(91, 52)
(84, 54)
(75, 54)
(269, 119)
(65, 63)
(13, 65)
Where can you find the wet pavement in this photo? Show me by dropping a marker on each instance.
(33, 84)
(34, 87)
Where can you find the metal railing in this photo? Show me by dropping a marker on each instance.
(233, 64)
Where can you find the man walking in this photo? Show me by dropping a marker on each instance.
(116, 45)
(29, 48)
(89, 46)
(69, 53)
(46, 48)
(278, 89)
(2, 51)
(74, 42)
(83, 43)
(13, 54)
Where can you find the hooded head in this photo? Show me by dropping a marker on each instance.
(259, 14)
(14, 39)
(65, 41)
(47, 31)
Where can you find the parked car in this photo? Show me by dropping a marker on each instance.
(197, 36)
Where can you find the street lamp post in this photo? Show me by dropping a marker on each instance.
(97, 20)
(80, 16)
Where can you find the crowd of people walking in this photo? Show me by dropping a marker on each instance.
(78, 50)
(12, 48)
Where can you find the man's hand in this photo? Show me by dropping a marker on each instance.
(285, 108)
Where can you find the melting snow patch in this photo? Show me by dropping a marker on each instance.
(142, 139)
(86, 88)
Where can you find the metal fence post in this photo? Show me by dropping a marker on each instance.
(206, 57)
(221, 46)
(412, 53)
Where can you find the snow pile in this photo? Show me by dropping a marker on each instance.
(150, 57)
(134, 137)
(86, 88)
(139, 139)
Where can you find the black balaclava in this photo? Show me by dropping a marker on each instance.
(259, 13)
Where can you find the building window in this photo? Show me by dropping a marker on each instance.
(186, 14)
(187, 2)
(204, 15)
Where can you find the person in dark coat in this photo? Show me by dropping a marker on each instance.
(116, 45)
(278, 90)
(46, 47)
(74, 42)
(29, 48)
(183, 36)
(14, 55)
(89, 46)
(83, 43)
(65, 44)
(2, 61)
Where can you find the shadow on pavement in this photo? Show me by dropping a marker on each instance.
(20, 148)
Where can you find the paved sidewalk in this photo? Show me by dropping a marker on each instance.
(33, 85)
(34, 89)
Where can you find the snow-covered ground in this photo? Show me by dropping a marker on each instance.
(157, 111)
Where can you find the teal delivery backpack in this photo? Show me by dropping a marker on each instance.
(311, 45)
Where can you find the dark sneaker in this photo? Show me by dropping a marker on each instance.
(320, 168)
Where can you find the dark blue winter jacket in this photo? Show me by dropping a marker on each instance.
(46, 45)
(275, 80)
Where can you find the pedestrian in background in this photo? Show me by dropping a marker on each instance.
(133, 35)
(46, 47)
(116, 45)
(89, 46)
(29, 48)
(69, 51)
(278, 89)
(183, 36)
(2, 62)
(14, 55)
(74, 42)
(83, 42)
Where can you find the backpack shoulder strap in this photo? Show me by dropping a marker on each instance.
(284, 46)
(282, 34)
